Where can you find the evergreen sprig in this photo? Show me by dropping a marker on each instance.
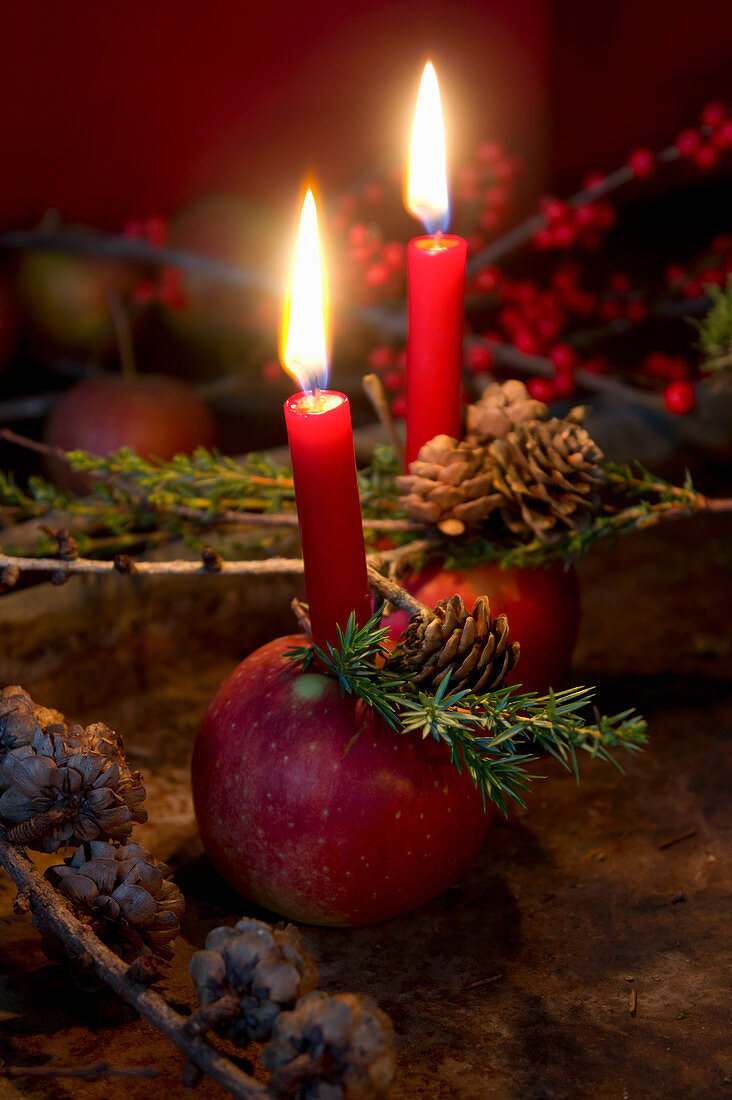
(491, 735)
(715, 330)
(192, 497)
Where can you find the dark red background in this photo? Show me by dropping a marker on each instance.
(113, 109)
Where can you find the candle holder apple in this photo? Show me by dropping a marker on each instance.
(310, 805)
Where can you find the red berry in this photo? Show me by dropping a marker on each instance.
(655, 364)
(394, 255)
(478, 359)
(693, 289)
(636, 311)
(597, 365)
(722, 136)
(373, 193)
(488, 280)
(488, 219)
(359, 235)
(271, 371)
(688, 142)
(156, 231)
(144, 292)
(133, 229)
(548, 328)
(673, 273)
(605, 215)
(619, 282)
(380, 358)
(592, 180)
(713, 113)
(564, 357)
(544, 239)
(504, 170)
(565, 278)
(565, 234)
(361, 255)
(679, 397)
(511, 319)
(393, 381)
(642, 163)
(564, 385)
(540, 388)
(553, 210)
(677, 369)
(584, 216)
(399, 406)
(402, 359)
(706, 157)
(489, 152)
(524, 340)
(378, 275)
(709, 275)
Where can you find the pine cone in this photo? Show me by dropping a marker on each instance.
(547, 473)
(500, 408)
(20, 718)
(332, 1047)
(79, 779)
(134, 906)
(450, 485)
(471, 646)
(267, 969)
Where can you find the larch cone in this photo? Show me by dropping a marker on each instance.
(313, 807)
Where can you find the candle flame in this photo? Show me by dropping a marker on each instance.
(303, 345)
(427, 181)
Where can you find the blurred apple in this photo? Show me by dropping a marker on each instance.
(65, 298)
(9, 322)
(222, 315)
(154, 415)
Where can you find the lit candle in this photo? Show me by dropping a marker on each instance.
(436, 275)
(321, 447)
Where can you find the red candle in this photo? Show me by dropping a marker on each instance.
(329, 510)
(436, 275)
(321, 446)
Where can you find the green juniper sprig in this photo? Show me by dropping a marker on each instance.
(490, 734)
(715, 331)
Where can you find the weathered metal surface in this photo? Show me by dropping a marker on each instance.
(515, 984)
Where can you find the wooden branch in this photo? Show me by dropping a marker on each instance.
(83, 1073)
(54, 916)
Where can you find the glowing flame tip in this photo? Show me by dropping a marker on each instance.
(304, 350)
(427, 196)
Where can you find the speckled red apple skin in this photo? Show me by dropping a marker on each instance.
(319, 832)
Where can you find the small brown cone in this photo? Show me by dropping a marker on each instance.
(547, 473)
(472, 646)
(126, 892)
(500, 408)
(449, 485)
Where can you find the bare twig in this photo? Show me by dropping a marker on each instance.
(376, 394)
(52, 914)
(676, 839)
(83, 1073)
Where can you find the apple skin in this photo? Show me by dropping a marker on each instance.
(155, 415)
(300, 823)
(542, 605)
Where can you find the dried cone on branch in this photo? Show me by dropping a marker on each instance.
(471, 646)
(450, 484)
(547, 474)
(20, 720)
(127, 893)
(332, 1047)
(64, 787)
(266, 969)
(501, 407)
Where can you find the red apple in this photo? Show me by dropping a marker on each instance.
(303, 819)
(542, 605)
(155, 415)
